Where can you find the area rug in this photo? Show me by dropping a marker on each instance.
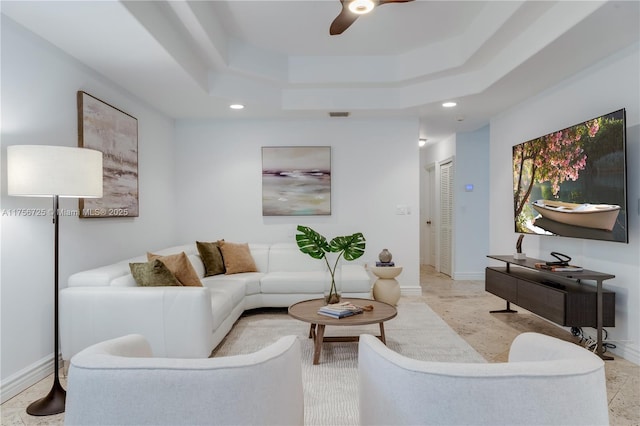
(331, 388)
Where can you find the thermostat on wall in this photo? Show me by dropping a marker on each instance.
(468, 187)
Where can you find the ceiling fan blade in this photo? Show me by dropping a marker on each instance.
(343, 20)
(346, 17)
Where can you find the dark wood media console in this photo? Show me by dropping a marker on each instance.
(561, 297)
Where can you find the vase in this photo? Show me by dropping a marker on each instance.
(385, 256)
(332, 288)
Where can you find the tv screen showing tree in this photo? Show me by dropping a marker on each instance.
(572, 182)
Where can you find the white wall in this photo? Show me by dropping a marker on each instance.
(470, 152)
(374, 169)
(471, 213)
(603, 88)
(39, 85)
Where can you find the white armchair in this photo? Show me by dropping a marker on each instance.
(118, 382)
(547, 381)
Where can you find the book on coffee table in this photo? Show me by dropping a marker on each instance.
(338, 315)
(340, 310)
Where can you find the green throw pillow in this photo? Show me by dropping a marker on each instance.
(211, 257)
(153, 274)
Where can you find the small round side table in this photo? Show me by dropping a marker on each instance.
(386, 288)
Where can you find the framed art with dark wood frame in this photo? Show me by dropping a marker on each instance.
(296, 180)
(114, 133)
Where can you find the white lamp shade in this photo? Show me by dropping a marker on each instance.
(44, 171)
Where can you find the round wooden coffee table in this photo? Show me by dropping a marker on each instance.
(307, 311)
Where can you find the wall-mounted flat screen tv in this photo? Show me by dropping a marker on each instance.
(572, 182)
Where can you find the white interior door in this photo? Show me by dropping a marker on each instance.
(446, 216)
(429, 222)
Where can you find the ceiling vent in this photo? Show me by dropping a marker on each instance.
(338, 114)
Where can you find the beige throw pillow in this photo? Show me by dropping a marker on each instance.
(153, 274)
(237, 258)
(211, 257)
(181, 267)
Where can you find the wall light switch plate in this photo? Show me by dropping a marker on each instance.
(402, 209)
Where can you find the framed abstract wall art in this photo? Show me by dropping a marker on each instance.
(296, 180)
(115, 133)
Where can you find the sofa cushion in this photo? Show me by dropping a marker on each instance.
(294, 282)
(124, 281)
(187, 248)
(232, 289)
(287, 257)
(237, 258)
(249, 282)
(211, 257)
(181, 267)
(152, 274)
(103, 275)
(221, 306)
(355, 278)
(260, 254)
(196, 262)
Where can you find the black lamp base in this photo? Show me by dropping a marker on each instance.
(51, 404)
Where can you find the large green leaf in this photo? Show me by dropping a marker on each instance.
(352, 245)
(312, 243)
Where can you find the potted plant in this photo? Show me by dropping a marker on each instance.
(315, 245)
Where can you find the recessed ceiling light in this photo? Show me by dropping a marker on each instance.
(449, 104)
(361, 6)
(422, 142)
(236, 106)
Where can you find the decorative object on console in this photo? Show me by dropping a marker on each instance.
(53, 171)
(350, 247)
(519, 255)
(296, 180)
(559, 265)
(563, 268)
(562, 259)
(114, 133)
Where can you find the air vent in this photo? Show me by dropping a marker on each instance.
(338, 114)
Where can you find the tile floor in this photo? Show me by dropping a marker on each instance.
(465, 306)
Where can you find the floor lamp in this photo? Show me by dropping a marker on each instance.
(53, 171)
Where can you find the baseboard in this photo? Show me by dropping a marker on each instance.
(468, 276)
(411, 291)
(627, 351)
(25, 378)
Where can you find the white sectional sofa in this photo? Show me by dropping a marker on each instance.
(189, 322)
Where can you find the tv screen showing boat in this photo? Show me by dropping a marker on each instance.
(572, 182)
